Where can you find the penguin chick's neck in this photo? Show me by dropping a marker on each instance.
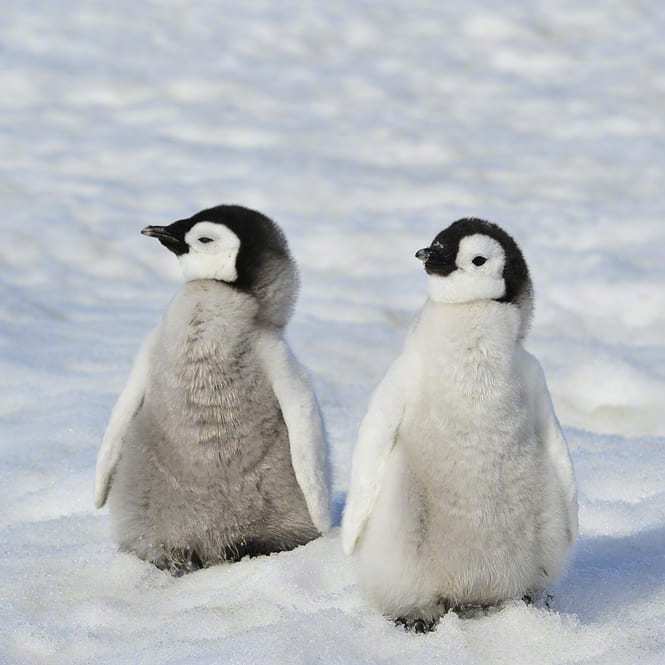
(472, 344)
(215, 312)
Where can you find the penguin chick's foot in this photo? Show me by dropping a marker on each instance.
(178, 562)
(538, 599)
(417, 624)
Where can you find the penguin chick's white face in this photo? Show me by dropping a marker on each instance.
(212, 252)
(478, 273)
(205, 249)
(474, 260)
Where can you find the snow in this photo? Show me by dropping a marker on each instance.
(364, 130)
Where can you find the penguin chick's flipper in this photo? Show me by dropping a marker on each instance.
(128, 405)
(550, 434)
(418, 625)
(301, 414)
(376, 439)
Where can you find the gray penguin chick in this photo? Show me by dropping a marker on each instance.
(462, 491)
(215, 448)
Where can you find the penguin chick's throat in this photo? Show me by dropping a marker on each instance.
(467, 346)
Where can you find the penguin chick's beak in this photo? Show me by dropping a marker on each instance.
(167, 238)
(157, 232)
(423, 254)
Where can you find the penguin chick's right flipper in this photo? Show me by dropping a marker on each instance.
(128, 405)
(376, 439)
(301, 414)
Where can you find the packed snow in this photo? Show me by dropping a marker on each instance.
(363, 129)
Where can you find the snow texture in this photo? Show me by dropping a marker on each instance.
(363, 129)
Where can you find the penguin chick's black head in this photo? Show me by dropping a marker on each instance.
(238, 247)
(475, 255)
(229, 243)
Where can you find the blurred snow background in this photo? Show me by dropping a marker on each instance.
(363, 129)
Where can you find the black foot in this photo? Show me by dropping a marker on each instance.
(418, 625)
(253, 547)
(474, 611)
(532, 599)
(179, 562)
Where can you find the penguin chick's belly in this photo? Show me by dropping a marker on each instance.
(210, 467)
(459, 509)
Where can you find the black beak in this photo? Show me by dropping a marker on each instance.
(423, 254)
(158, 232)
(437, 261)
(167, 238)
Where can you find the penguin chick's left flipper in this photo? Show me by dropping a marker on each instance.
(300, 410)
(128, 405)
(549, 433)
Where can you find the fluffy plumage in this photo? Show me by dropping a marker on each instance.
(216, 448)
(462, 489)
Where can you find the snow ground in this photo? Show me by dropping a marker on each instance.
(363, 129)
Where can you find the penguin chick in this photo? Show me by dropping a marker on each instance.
(215, 448)
(462, 492)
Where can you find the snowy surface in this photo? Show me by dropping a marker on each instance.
(363, 128)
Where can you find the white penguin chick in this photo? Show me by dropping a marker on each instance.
(462, 491)
(215, 448)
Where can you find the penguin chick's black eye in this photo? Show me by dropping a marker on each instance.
(205, 240)
(479, 260)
